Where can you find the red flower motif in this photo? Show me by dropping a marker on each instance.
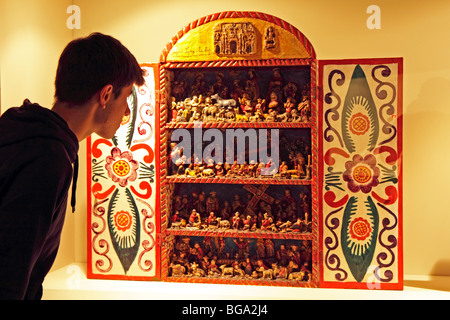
(360, 229)
(121, 167)
(123, 220)
(359, 124)
(361, 173)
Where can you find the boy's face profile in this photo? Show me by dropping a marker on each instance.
(112, 115)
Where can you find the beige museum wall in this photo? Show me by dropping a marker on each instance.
(34, 35)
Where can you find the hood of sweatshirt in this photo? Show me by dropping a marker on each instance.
(31, 121)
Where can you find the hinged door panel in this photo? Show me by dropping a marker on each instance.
(123, 191)
(360, 173)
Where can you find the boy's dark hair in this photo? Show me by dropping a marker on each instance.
(88, 64)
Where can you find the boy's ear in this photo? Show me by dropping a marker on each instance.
(105, 94)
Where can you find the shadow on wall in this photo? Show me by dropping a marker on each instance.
(440, 283)
(442, 267)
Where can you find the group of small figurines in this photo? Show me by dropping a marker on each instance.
(207, 213)
(299, 168)
(217, 103)
(289, 262)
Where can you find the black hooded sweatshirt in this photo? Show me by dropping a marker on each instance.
(37, 151)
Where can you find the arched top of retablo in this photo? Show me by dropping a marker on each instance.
(237, 36)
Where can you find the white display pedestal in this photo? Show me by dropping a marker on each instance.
(71, 283)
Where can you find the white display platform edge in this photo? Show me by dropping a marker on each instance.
(71, 283)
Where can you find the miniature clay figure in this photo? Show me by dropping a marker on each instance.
(252, 86)
(176, 216)
(270, 38)
(279, 272)
(212, 203)
(205, 263)
(181, 114)
(304, 108)
(175, 154)
(236, 92)
(210, 110)
(294, 254)
(226, 271)
(190, 171)
(245, 102)
(223, 224)
(290, 90)
(247, 267)
(295, 117)
(174, 111)
(265, 224)
(273, 104)
(176, 220)
(297, 275)
(237, 203)
(200, 204)
(196, 271)
(219, 87)
(226, 211)
(220, 246)
(194, 219)
(276, 84)
(236, 221)
(212, 220)
(196, 114)
(198, 252)
(270, 248)
(272, 116)
(297, 226)
(247, 223)
(288, 107)
(287, 199)
(220, 171)
(237, 270)
(207, 244)
(213, 268)
(198, 87)
(242, 247)
(260, 104)
(262, 270)
(282, 255)
(179, 90)
(229, 113)
(285, 226)
(177, 269)
(183, 246)
(187, 109)
(283, 171)
(223, 102)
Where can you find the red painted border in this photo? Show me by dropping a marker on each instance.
(240, 63)
(89, 205)
(355, 285)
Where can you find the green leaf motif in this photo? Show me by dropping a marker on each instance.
(125, 243)
(359, 97)
(359, 252)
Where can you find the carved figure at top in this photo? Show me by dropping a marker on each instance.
(270, 38)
